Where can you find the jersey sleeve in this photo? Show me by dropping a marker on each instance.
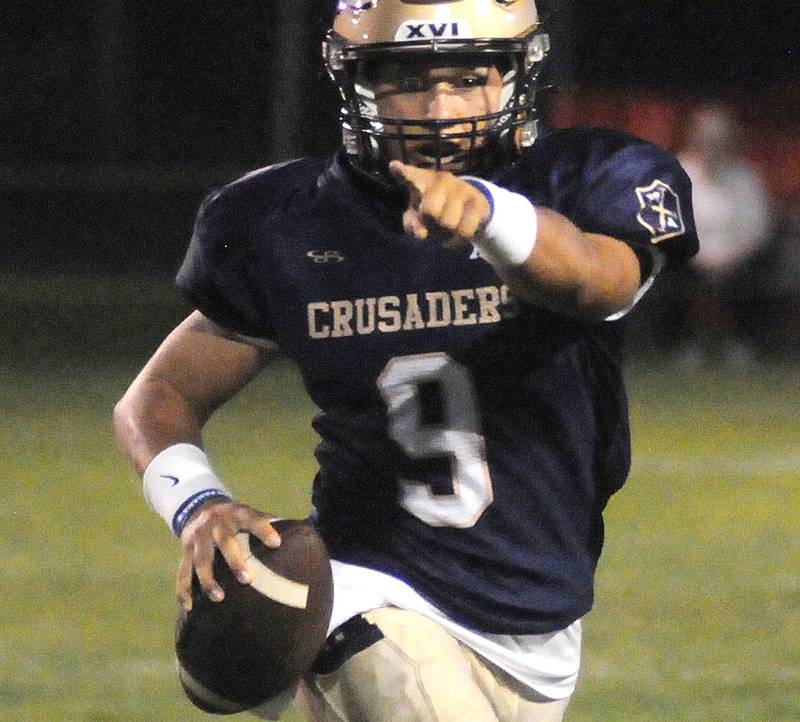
(217, 271)
(639, 194)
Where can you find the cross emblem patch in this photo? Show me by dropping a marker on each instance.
(660, 211)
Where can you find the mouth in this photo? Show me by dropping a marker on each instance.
(440, 154)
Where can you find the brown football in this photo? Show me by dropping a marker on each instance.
(236, 654)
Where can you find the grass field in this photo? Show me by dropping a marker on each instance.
(698, 605)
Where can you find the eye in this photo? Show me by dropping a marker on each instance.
(474, 80)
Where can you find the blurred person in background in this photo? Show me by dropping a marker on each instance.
(734, 219)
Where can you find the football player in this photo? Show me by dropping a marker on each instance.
(453, 285)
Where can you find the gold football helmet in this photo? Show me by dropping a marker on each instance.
(503, 33)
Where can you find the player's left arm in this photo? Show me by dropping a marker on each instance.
(586, 274)
(544, 257)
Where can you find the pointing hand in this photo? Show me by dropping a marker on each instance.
(442, 203)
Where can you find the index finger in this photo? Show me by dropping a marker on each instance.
(261, 526)
(248, 521)
(413, 177)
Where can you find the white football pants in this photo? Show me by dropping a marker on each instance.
(419, 673)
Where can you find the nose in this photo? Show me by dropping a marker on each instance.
(445, 103)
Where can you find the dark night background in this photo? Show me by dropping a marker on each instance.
(118, 116)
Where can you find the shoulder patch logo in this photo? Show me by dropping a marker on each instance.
(660, 211)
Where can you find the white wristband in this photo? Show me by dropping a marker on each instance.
(179, 480)
(510, 236)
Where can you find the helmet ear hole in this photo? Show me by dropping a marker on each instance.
(367, 71)
(504, 64)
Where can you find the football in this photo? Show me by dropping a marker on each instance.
(237, 654)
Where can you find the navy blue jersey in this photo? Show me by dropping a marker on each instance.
(469, 441)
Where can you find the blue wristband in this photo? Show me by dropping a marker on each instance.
(191, 505)
(178, 481)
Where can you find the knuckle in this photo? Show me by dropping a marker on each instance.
(243, 512)
(223, 532)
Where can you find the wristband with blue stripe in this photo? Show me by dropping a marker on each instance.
(510, 234)
(178, 481)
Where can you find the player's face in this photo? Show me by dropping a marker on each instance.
(414, 90)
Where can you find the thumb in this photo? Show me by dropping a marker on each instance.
(413, 225)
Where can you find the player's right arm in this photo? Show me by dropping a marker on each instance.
(196, 369)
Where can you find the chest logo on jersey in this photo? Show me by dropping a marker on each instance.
(660, 211)
(411, 312)
(423, 30)
(325, 256)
